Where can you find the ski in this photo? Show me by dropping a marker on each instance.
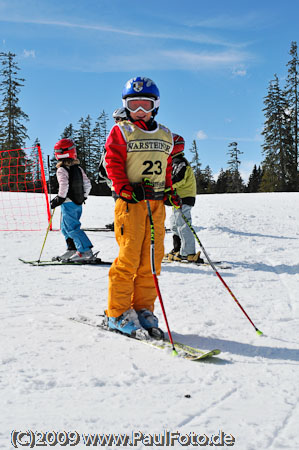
(184, 351)
(219, 264)
(92, 262)
(98, 229)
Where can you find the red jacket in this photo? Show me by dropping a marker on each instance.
(116, 155)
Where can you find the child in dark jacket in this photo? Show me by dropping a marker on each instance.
(74, 187)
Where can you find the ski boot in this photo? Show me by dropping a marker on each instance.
(150, 323)
(71, 250)
(65, 256)
(171, 255)
(192, 258)
(127, 323)
(110, 226)
(176, 248)
(84, 256)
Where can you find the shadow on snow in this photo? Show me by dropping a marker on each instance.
(238, 348)
(244, 233)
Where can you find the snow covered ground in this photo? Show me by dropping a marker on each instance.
(56, 375)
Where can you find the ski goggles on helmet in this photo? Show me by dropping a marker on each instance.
(64, 150)
(145, 104)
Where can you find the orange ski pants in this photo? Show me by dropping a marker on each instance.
(131, 283)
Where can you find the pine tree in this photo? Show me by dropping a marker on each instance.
(101, 124)
(277, 139)
(12, 131)
(207, 181)
(88, 146)
(235, 183)
(269, 181)
(291, 89)
(254, 180)
(195, 164)
(223, 182)
(99, 136)
(53, 182)
(33, 162)
(68, 132)
(83, 141)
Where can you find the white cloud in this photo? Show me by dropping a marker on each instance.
(229, 55)
(204, 60)
(201, 38)
(201, 135)
(239, 72)
(167, 60)
(256, 138)
(28, 53)
(231, 22)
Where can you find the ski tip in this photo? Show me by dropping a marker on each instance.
(259, 333)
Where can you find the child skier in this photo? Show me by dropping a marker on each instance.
(74, 187)
(184, 182)
(119, 114)
(138, 162)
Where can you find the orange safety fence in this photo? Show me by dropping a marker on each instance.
(24, 202)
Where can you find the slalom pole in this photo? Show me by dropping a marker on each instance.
(50, 223)
(218, 274)
(174, 352)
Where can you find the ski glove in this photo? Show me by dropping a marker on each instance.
(171, 198)
(57, 201)
(148, 186)
(132, 193)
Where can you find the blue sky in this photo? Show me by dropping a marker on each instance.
(212, 62)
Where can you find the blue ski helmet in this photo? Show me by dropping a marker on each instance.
(141, 87)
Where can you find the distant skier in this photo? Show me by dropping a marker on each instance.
(137, 149)
(119, 114)
(74, 187)
(184, 182)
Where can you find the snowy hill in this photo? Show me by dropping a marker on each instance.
(56, 375)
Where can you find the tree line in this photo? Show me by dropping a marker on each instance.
(15, 166)
(277, 172)
(89, 139)
(229, 180)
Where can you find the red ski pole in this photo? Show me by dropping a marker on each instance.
(174, 352)
(218, 274)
